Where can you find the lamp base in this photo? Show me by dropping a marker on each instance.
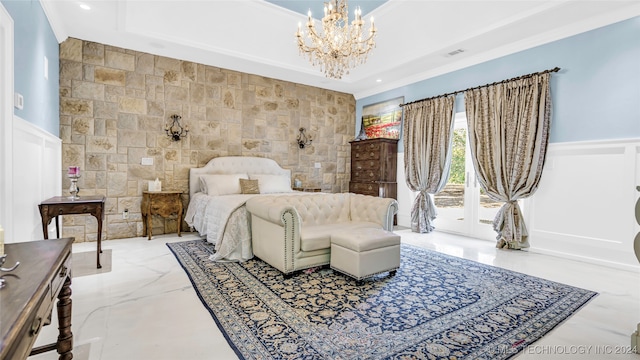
(73, 189)
(363, 134)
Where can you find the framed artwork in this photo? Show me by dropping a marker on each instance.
(383, 119)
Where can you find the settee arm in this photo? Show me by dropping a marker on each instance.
(275, 231)
(373, 209)
(270, 208)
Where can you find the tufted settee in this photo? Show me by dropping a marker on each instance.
(294, 232)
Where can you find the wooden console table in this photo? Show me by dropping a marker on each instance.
(26, 300)
(163, 203)
(64, 205)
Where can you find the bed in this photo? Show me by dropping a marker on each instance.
(217, 197)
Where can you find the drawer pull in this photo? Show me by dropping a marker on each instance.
(35, 327)
(63, 271)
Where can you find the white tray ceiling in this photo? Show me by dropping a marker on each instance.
(257, 37)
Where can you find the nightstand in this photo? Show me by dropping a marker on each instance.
(163, 203)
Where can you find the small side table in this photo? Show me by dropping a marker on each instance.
(65, 205)
(307, 189)
(163, 203)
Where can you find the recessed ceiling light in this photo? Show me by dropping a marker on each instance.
(378, 80)
(85, 6)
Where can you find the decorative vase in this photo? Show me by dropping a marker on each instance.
(363, 134)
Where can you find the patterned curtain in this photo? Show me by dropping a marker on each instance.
(428, 134)
(508, 134)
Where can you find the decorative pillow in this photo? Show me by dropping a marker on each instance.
(270, 184)
(221, 184)
(249, 186)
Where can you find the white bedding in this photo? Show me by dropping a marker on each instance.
(225, 222)
(220, 215)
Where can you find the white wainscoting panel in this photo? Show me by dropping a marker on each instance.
(584, 206)
(36, 172)
(6, 114)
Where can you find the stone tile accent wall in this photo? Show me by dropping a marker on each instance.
(114, 104)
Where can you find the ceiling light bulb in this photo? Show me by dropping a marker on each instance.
(85, 6)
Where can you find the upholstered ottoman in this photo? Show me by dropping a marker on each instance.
(365, 252)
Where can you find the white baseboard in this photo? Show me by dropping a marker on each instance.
(591, 260)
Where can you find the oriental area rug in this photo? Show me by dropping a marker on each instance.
(436, 307)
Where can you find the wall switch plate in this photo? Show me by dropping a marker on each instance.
(147, 161)
(318, 165)
(18, 101)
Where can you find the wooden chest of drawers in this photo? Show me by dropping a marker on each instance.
(374, 167)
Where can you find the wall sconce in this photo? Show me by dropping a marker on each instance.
(175, 131)
(303, 139)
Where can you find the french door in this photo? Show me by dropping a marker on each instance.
(463, 207)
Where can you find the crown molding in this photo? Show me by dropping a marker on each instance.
(528, 43)
(54, 21)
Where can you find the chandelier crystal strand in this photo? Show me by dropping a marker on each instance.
(340, 47)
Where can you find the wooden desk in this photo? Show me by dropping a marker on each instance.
(26, 300)
(64, 205)
(163, 203)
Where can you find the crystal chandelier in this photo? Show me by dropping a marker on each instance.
(340, 47)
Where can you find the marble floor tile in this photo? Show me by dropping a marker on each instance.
(144, 307)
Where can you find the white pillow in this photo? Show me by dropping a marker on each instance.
(221, 184)
(270, 184)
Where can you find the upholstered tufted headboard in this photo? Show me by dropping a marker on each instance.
(235, 165)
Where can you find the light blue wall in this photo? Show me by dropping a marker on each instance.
(595, 96)
(33, 40)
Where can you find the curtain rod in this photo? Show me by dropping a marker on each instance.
(555, 69)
